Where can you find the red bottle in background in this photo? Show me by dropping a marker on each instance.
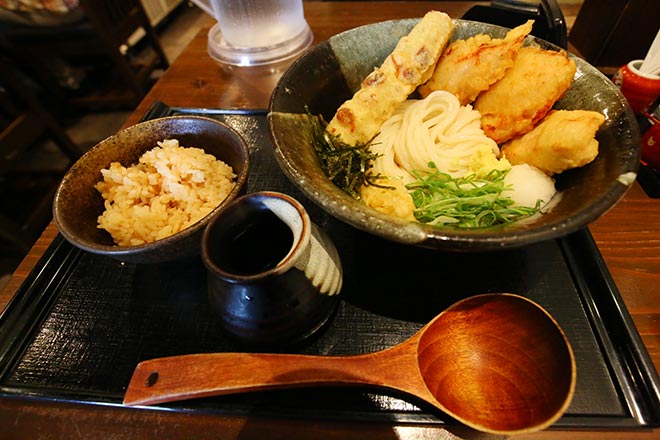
(640, 89)
(651, 144)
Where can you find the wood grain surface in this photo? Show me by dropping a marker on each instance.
(628, 237)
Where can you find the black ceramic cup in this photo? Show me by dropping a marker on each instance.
(273, 276)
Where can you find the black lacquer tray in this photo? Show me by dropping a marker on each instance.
(80, 323)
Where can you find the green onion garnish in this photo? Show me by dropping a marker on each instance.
(464, 202)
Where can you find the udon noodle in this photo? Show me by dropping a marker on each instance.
(435, 129)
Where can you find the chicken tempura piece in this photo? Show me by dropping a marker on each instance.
(394, 200)
(565, 139)
(468, 67)
(528, 90)
(410, 64)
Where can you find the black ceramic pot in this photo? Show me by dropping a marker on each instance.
(273, 276)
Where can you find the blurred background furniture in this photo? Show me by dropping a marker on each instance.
(158, 10)
(41, 164)
(93, 62)
(549, 22)
(23, 123)
(613, 33)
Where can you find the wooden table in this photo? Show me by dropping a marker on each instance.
(628, 237)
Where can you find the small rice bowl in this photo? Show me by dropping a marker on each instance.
(170, 188)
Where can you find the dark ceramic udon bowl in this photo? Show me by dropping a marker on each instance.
(78, 204)
(329, 73)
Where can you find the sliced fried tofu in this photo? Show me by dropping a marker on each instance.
(565, 139)
(469, 67)
(528, 90)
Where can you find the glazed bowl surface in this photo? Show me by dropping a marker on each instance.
(77, 204)
(329, 73)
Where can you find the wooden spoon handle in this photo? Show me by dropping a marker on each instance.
(202, 375)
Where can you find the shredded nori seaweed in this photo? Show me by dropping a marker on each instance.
(347, 166)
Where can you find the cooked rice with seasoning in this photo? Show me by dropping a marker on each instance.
(170, 188)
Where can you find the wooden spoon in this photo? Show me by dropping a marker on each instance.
(498, 363)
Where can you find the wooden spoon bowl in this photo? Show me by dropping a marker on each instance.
(498, 363)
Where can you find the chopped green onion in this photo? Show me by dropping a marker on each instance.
(464, 202)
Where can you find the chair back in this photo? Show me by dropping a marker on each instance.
(116, 20)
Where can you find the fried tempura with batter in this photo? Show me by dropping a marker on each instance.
(528, 90)
(565, 139)
(394, 200)
(468, 67)
(410, 64)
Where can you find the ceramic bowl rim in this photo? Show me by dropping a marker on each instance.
(445, 238)
(121, 251)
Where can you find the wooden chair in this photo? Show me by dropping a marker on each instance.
(119, 76)
(23, 123)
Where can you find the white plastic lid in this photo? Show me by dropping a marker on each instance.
(224, 53)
